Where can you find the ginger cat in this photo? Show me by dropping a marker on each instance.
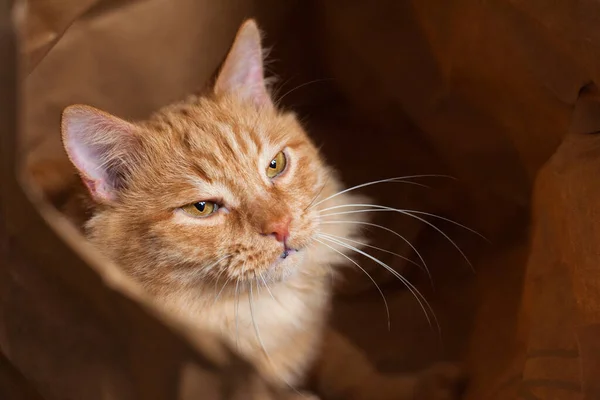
(217, 206)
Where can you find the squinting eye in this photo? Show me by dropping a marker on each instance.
(200, 209)
(277, 165)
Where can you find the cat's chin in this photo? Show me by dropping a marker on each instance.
(285, 258)
(286, 264)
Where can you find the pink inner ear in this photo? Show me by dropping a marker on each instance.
(90, 184)
(96, 143)
(99, 190)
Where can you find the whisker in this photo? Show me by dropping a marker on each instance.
(377, 207)
(318, 193)
(405, 212)
(387, 309)
(259, 338)
(267, 286)
(221, 291)
(218, 261)
(373, 247)
(450, 221)
(423, 303)
(237, 307)
(331, 214)
(393, 232)
(301, 86)
(256, 330)
(192, 275)
(219, 275)
(217, 279)
(257, 285)
(400, 179)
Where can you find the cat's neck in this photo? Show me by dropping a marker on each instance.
(304, 294)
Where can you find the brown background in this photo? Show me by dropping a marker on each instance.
(486, 91)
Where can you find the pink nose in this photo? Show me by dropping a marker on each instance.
(280, 229)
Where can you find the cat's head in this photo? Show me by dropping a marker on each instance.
(216, 187)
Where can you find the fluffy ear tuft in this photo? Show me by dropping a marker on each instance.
(99, 146)
(243, 71)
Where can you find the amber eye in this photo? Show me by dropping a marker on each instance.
(277, 165)
(201, 208)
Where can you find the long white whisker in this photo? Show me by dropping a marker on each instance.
(237, 307)
(266, 285)
(423, 303)
(387, 309)
(331, 214)
(422, 220)
(318, 193)
(217, 279)
(221, 291)
(301, 86)
(218, 261)
(393, 232)
(392, 181)
(207, 268)
(190, 275)
(219, 276)
(377, 207)
(256, 330)
(373, 247)
(259, 338)
(257, 285)
(397, 179)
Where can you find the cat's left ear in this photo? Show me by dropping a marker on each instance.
(101, 147)
(242, 72)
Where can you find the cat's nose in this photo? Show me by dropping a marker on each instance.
(279, 228)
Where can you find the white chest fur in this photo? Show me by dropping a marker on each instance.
(277, 328)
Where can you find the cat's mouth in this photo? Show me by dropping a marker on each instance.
(287, 251)
(285, 256)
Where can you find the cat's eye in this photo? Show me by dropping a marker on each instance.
(277, 165)
(200, 209)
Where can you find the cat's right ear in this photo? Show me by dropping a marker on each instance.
(242, 72)
(99, 145)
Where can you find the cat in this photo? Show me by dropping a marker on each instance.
(217, 205)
